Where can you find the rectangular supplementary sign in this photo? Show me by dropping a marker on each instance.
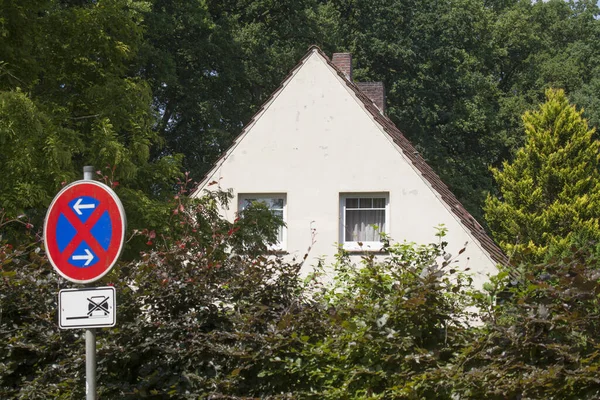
(87, 308)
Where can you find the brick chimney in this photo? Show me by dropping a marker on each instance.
(344, 63)
(374, 91)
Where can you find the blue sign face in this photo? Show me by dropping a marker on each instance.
(81, 228)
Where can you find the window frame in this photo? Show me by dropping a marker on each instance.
(351, 245)
(282, 245)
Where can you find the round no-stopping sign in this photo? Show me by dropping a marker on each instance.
(84, 231)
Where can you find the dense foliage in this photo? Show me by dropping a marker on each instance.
(550, 193)
(381, 328)
(192, 309)
(70, 96)
(540, 340)
(205, 313)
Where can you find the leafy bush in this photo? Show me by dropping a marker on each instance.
(381, 327)
(207, 312)
(541, 338)
(193, 312)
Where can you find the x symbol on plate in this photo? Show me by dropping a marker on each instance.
(83, 232)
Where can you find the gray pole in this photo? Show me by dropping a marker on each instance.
(88, 173)
(90, 364)
(90, 334)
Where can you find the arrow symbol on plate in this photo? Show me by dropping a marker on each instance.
(88, 257)
(78, 206)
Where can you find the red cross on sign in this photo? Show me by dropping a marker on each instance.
(84, 231)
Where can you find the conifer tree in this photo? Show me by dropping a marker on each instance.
(550, 194)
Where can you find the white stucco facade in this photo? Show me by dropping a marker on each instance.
(315, 141)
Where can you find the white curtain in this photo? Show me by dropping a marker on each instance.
(359, 225)
(279, 213)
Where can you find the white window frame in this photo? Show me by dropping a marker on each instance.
(366, 245)
(242, 197)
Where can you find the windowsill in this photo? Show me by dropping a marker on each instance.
(366, 252)
(366, 248)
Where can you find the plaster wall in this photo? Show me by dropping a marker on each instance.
(313, 141)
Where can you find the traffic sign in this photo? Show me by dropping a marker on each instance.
(84, 231)
(87, 308)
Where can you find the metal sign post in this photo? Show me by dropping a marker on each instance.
(88, 308)
(84, 233)
(90, 333)
(90, 364)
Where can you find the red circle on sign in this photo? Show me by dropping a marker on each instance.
(84, 231)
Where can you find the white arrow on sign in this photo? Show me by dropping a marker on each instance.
(88, 256)
(78, 206)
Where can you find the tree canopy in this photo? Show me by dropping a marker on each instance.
(70, 96)
(145, 87)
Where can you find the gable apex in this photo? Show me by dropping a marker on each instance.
(378, 118)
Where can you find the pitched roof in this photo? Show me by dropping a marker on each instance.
(409, 151)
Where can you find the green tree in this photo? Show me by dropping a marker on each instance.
(550, 193)
(69, 97)
(210, 64)
(35, 154)
(380, 328)
(542, 45)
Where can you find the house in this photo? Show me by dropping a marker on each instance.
(323, 155)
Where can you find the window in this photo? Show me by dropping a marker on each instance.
(363, 217)
(277, 204)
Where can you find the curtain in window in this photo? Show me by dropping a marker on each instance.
(359, 225)
(279, 213)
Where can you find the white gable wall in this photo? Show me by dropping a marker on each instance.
(313, 141)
